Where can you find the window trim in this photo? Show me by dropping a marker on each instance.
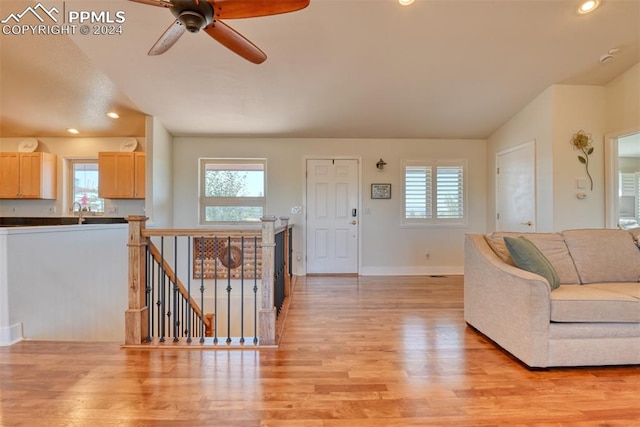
(204, 202)
(69, 199)
(434, 221)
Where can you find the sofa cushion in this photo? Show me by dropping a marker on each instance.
(528, 257)
(496, 242)
(635, 233)
(551, 245)
(604, 255)
(595, 303)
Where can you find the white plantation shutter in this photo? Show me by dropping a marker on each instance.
(449, 192)
(418, 194)
(434, 192)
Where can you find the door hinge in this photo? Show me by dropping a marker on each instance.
(498, 216)
(497, 171)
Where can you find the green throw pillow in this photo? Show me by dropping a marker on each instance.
(528, 257)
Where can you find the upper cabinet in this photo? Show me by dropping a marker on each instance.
(122, 175)
(28, 176)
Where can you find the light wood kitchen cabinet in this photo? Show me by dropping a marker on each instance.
(122, 175)
(28, 175)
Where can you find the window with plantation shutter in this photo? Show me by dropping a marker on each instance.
(434, 192)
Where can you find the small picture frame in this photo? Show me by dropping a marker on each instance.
(380, 191)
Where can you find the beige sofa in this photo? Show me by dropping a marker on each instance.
(592, 318)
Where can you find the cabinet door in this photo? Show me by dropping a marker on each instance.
(140, 178)
(30, 175)
(117, 176)
(9, 175)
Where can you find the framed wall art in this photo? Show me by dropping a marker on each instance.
(380, 191)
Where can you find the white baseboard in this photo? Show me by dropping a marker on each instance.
(412, 271)
(10, 335)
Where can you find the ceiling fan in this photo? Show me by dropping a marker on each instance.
(196, 15)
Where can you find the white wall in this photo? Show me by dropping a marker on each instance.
(159, 206)
(533, 123)
(623, 102)
(387, 248)
(68, 148)
(576, 108)
(68, 282)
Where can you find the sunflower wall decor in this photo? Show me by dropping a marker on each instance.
(583, 142)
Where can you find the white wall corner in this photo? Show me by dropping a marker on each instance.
(10, 335)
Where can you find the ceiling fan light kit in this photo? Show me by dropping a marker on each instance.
(196, 15)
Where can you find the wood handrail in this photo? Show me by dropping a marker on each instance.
(200, 232)
(207, 319)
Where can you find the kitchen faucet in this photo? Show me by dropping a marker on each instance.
(80, 219)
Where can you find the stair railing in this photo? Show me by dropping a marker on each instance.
(161, 305)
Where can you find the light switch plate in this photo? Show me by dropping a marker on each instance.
(581, 183)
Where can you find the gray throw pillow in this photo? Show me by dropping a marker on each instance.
(528, 257)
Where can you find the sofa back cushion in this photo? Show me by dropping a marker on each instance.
(602, 255)
(551, 245)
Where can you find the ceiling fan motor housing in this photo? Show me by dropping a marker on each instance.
(192, 21)
(194, 16)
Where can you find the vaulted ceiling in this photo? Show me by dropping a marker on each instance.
(339, 68)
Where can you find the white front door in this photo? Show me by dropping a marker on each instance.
(332, 216)
(515, 189)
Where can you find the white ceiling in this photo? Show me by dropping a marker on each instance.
(339, 68)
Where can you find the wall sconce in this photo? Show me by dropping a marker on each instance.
(381, 163)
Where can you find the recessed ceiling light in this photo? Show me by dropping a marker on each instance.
(588, 6)
(73, 131)
(113, 115)
(405, 2)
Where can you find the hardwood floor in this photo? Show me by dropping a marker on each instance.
(368, 351)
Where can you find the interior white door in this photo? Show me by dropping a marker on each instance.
(515, 189)
(332, 216)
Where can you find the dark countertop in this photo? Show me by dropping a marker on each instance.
(16, 221)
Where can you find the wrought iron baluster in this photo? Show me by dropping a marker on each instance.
(255, 290)
(215, 290)
(202, 287)
(176, 317)
(148, 289)
(162, 292)
(242, 290)
(189, 309)
(229, 290)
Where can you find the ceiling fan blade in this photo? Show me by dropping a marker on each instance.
(235, 41)
(233, 9)
(168, 38)
(160, 3)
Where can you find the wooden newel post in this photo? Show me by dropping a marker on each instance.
(267, 314)
(136, 318)
(284, 220)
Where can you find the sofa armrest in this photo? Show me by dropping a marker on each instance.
(509, 305)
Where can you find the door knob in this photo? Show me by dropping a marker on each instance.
(528, 223)
(353, 222)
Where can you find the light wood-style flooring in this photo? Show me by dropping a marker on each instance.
(368, 351)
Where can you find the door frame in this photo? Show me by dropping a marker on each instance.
(305, 160)
(611, 176)
(531, 143)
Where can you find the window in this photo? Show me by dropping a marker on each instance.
(232, 191)
(434, 192)
(84, 185)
